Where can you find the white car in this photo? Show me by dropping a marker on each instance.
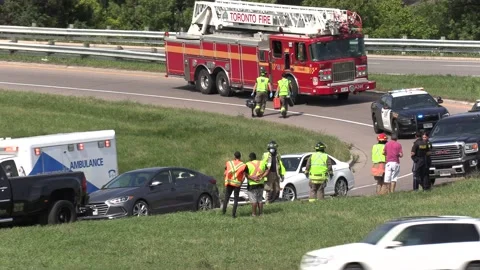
(413, 243)
(295, 186)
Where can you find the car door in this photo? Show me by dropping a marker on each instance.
(162, 197)
(385, 113)
(303, 187)
(5, 197)
(332, 180)
(427, 246)
(187, 186)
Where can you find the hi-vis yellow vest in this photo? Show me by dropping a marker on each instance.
(255, 169)
(262, 84)
(377, 153)
(318, 168)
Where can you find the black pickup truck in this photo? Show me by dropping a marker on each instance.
(45, 199)
(455, 140)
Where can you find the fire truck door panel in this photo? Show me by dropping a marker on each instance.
(249, 62)
(236, 65)
(277, 62)
(287, 61)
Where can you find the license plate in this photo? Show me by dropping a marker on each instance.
(445, 173)
(428, 125)
(95, 212)
(344, 89)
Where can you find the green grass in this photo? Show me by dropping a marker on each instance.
(208, 240)
(155, 136)
(451, 87)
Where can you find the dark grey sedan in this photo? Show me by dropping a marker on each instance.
(153, 191)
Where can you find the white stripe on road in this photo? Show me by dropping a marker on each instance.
(175, 98)
(477, 66)
(371, 185)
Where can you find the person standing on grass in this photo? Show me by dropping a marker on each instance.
(418, 139)
(234, 177)
(421, 158)
(393, 152)
(255, 183)
(378, 161)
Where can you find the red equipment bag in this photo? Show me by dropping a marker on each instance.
(276, 103)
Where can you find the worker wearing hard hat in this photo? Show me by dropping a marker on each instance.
(378, 161)
(261, 87)
(318, 170)
(283, 91)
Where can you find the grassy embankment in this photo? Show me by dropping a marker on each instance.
(150, 136)
(450, 87)
(208, 240)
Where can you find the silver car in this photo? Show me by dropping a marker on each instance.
(295, 186)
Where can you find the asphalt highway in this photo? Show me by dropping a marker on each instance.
(349, 120)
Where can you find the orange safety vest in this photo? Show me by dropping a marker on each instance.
(234, 173)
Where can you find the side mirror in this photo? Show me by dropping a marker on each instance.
(439, 100)
(385, 107)
(394, 244)
(155, 183)
(103, 187)
(303, 169)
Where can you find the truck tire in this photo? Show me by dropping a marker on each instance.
(204, 82)
(295, 97)
(61, 211)
(223, 85)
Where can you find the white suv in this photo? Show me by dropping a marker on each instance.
(413, 243)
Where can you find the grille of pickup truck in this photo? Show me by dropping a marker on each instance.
(343, 71)
(101, 207)
(446, 152)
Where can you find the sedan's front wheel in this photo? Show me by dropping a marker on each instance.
(289, 193)
(140, 209)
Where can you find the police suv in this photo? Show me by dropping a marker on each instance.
(406, 111)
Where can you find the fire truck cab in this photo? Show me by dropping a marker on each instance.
(229, 42)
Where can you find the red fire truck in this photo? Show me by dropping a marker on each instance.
(229, 42)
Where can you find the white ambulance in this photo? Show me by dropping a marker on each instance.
(92, 152)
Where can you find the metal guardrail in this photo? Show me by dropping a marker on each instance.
(83, 35)
(83, 51)
(154, 37)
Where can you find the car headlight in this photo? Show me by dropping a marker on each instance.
(119, 200)
(471, 148)
(311, 261)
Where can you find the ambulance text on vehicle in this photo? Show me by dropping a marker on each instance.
(229, 42)
(93, 152)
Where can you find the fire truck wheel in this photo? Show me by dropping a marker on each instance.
(204, 82)
(223, 85)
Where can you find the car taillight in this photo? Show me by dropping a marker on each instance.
(213, 181)
(84, 184)
(362, 71)
(325, 74)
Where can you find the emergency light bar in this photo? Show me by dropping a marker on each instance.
(9, 149)
(407, 89)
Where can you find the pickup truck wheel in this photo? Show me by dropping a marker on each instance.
(62, 212)
(473, 266)
(353, 266)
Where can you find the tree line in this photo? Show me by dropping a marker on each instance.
(452, 19)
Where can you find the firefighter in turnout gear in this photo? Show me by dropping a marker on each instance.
(318, 170)
(262, 85)
(378, 161)
(275, 172)
(284, 91)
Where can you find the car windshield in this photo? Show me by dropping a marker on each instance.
(130, 179)
(291, 163)
(377, 234)
(342, 48)
(456, 127)
(413, 102)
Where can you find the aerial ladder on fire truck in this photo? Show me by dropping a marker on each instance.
(262, 17)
